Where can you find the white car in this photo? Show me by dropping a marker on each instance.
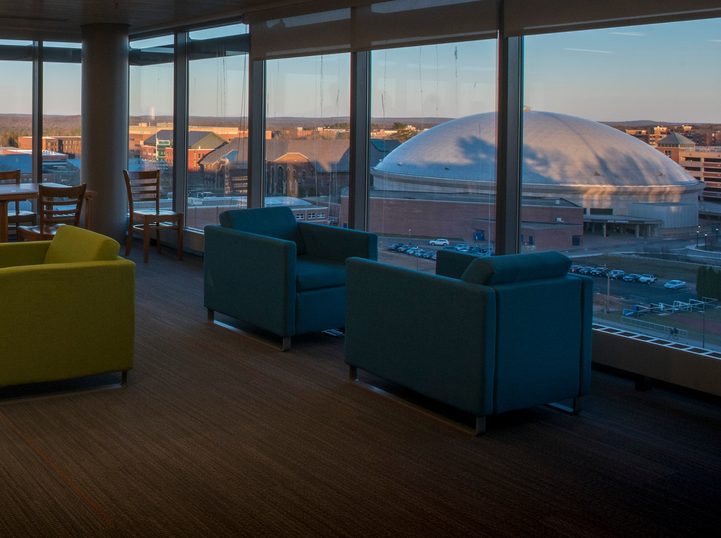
(440, 242)
(674, 284)
(647, 278)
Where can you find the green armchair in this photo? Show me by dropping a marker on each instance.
(68, 308)
(484, 335)
(283, 276)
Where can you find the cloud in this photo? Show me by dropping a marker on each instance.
(592, 51)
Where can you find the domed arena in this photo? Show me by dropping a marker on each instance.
(616, 182)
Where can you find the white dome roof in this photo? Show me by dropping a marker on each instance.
(558, 150)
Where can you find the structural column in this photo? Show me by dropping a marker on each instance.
(105, 124)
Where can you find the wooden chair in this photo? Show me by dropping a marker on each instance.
(144, 188)
(56, 206)
(19, 216)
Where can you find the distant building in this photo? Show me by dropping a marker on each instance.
(700, 162)
(70, 145)
(578, 175)
(305, 168)
(159, 147)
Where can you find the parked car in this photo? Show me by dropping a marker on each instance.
(462, 247)
(403, 247)
(440, 242)
(631, 277)
(616, 273)
(395, 246)
(598, 271)
(647, 278)
(674, 284)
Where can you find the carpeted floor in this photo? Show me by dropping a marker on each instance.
(220, 434)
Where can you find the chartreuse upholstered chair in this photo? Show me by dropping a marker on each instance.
(67, 308)
(484, 335)
(283, 276)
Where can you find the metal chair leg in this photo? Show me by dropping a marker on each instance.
(124, 378)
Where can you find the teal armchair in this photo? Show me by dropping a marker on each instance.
(68, 308)
(283, 276)
(484, 335)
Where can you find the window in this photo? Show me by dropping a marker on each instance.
(307, 139)
(584, 91)
(150, 140)
(432, 150)
(217, 123)
(61, 143)
(16, 107)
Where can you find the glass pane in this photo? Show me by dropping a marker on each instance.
(307, 143)
(61, 123)
(150, 145)
(16, 117)
(220, 31)
(622, 168)
(433, 151)
(217, 137)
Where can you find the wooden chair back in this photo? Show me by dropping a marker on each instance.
(60, 205)
(10, 177)
(142, 186)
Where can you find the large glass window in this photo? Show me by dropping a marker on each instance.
(150, 141)
(307, 137)
(16, 107)
(620, 141)
(432, 151)
(61, 116)
(218, 124)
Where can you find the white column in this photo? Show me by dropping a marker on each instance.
(105, 124)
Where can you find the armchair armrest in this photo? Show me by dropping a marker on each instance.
(23, 253)
(339, 244)
(452, 264)
(251, 277)
(432, 334)
(66, 320)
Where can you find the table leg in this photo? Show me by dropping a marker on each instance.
(3, 221)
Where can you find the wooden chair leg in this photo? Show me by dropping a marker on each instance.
(129, 240)
(146, 242)
(157, 238)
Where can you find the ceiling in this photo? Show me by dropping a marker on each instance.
(62, 19)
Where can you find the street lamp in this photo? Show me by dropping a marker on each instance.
(705, 241)
(698, 234)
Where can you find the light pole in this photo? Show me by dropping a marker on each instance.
(705, 241)
(698, 234)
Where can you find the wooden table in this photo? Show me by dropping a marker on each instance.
(27, 191)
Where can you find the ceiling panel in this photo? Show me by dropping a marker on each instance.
(62, 19)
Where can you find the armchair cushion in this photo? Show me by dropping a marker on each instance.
(278, 222)
(72, 244)
(515, 268)
(315, 273)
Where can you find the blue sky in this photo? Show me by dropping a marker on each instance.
(663, 72)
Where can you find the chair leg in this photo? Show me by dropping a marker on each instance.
(129, 240)
(146, 243)
(480, 425)
(157, 238)
(352, 373)
(124, 378)
(285, 346)
(211, 315)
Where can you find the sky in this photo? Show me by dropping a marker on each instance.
(664, 72)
